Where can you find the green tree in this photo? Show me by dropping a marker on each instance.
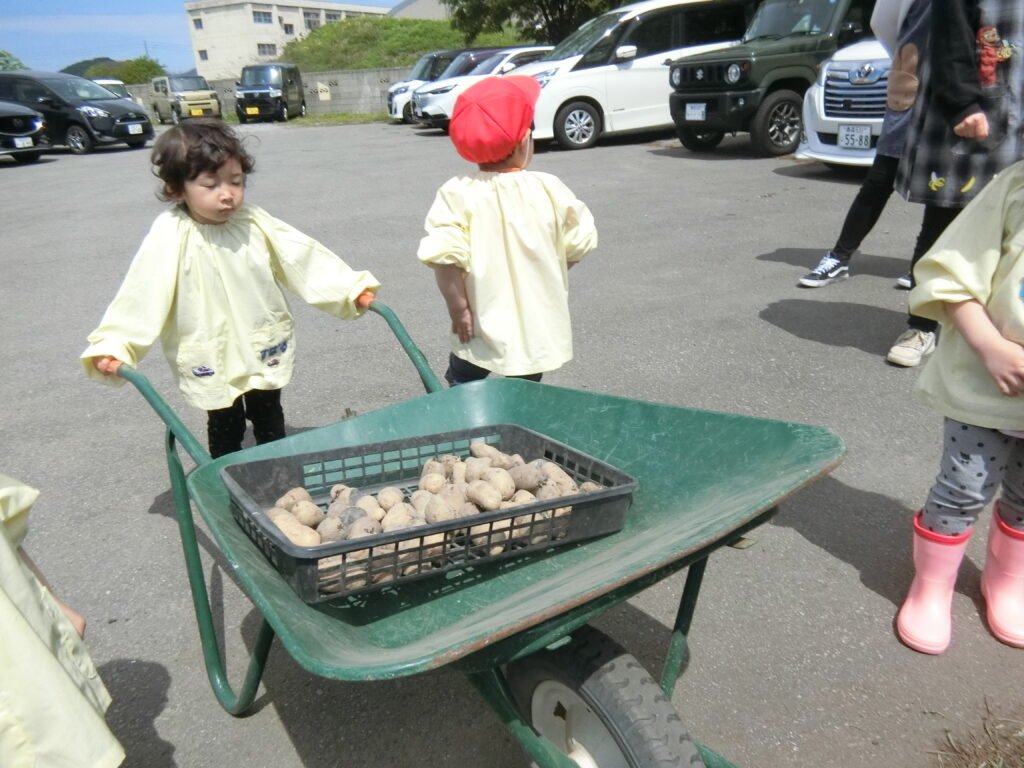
(9, 61)
(547, 20)
(80, 67)
(138, 70)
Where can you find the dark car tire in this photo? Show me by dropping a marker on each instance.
(159, 117)
(26, 157)
(175, 116)
(407, 113)
(775, 129)
(699, 141)
(242, 119)
(593, 679)
(302, 110)
(136, 143)
(282, 113)
(78, 139)
(578, 125)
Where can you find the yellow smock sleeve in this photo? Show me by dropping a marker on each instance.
(136, 317)
(579, 233)
(313, 272)
(447, 238)
(961, 264)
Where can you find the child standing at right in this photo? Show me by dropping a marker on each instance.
(972, 283)
(501, 241)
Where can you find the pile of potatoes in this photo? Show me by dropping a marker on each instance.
(449, 488)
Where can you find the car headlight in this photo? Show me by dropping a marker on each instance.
(179, 97)
(238, 96)
(823, 72)
(275, 93)
(446, 89)
(676, 76)
(89, 111)
(733, 74)
(215, 96)
(544, 77)
(401, 90)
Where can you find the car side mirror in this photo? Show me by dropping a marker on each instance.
(850, 32)
(238, 82)
(47, 100)
(624, 52)
(508, 66)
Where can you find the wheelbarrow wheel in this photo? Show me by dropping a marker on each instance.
(597, 704)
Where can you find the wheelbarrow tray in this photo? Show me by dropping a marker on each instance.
(702, 476)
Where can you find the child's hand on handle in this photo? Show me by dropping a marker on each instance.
(462, 324)
(107, 365)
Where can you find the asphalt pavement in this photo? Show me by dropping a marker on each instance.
(691, 299)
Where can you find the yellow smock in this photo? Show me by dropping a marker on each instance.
(980, 256)
(212, 294)
(52, 700)
(514, 234)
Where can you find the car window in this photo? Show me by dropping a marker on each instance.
(189, 84)
(651, 33)
(437, 66)
(488, 65)
(79, 89)
(525, 58)
(601, 52)
(714, 23)
(586, 37)
(261, 76)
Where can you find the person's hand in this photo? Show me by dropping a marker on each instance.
(973, 127)
(462, 324)
(1004, 362)
(107, 365)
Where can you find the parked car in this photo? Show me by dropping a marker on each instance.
(609, 75)
(426, 70)
(118, 88)
(432, 103)
(78, 113)
(22, 131)
(758, 86)
(844, 108)
(174, 97)
(269, 91)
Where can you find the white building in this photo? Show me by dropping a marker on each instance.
(227, 35)
(420, 9)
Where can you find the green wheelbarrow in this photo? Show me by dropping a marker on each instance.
(571, 696)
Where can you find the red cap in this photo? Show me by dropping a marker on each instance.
(491, 117)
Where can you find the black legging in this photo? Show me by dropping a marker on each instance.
(933, 224)
(225, 427)
(462, 371)
(867, 206)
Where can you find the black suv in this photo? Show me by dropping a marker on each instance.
(79, 113)
(758, 86)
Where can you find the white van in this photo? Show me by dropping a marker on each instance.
(610, 75)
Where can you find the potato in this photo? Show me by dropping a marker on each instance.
(433, 467)
(308, 513)
(370, 506)
(432, 482)
(449, 461)
(468, 509)
(502, 480)
(388, 497)
(527, 477)
(475, 468)
(591, 487)
(453, 496)
(458, 473)
(399, 516)
(341, 492)
(549, 491)
(274, 512)
(296, 532)
(498, 459)
(348, 515)
(558, 475)
(419, 499)
(331, 529)
(365, 526)
(484, 495)
(287, 501)
(438, 511)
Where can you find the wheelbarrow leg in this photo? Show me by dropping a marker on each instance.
(493, 687)
(236, 704)
(677, 647)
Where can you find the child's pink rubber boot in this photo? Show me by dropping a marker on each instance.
(924, 620)
(1002, 582)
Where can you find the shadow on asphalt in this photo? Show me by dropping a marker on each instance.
(139, 690)
(866, 264)
(837, 323)
(810, 170)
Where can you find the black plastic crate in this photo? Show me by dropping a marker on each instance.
(336, 569)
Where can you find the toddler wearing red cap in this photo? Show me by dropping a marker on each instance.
(502, 239)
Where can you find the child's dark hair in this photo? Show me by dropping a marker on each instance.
(193, 147)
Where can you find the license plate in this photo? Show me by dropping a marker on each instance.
(21, 142)
(252, 110)
(696, 111)
(134, 128)
(196, 112)
(854, 136)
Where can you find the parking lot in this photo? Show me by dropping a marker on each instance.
(691, 299)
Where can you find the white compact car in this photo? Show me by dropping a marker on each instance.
(427, 69)
(432, 103)
(611, 74)
(843, 110)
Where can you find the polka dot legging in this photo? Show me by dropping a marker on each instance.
(975, 462)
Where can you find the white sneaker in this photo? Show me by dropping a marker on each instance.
(911, 347)
(903, 281)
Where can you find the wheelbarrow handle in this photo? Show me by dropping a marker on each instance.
(165, 412)
(371, 302)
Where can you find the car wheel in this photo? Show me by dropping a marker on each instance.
(242, 119)
(136, 143)
(699, 141)
(302, 110)
(159, 117)
(775, 129)
(577, 125)
(78, 139)
(175, 116)
(407, 112)
(27, 157)
(282, 113)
